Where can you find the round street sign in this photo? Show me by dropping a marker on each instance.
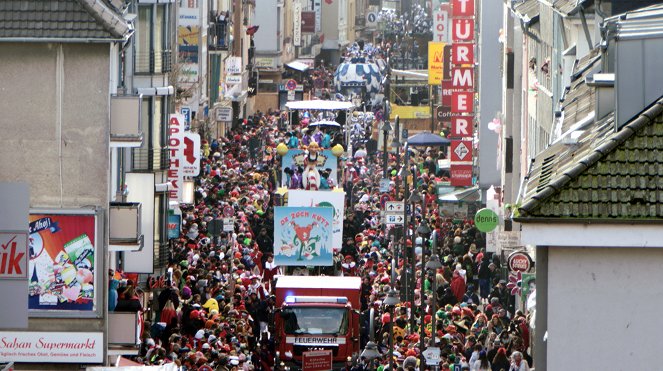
(519, 261)
(291, 84)
(486, 220)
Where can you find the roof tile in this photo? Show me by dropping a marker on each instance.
(62, 19)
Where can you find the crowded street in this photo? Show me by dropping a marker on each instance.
(217, 306)
(330, 185)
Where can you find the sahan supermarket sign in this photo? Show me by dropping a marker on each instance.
(51, 347)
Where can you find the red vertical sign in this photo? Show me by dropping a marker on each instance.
(462, 8)
(462, 30)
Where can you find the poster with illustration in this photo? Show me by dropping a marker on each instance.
(61, 268)
(303, 236)
(294, 160)
(334, 200)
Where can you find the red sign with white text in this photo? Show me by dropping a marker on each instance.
(317, 360)
(462, 30)
(175, 148)
(447, 91)
(462, 78)
(462, 53)
(462, 8)
(13, 255)
(462, 102)
(461, 151)
(461, 175)
(461, 127)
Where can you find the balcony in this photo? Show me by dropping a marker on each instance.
(125, 227)
(126, 129)
(218, 38)
(146, 160)
(154, 62)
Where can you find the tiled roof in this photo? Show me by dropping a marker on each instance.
(579, 98)
(527, 10)
(608, 175)
(568, 7)
(60, 19)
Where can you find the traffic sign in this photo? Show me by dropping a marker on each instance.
(291, 84)
(228, 224)
(432, 356)
(186, 111)
(394, 219)
(384, 185)
(394, 207)
(371, 19)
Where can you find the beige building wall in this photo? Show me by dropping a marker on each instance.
(55, 136)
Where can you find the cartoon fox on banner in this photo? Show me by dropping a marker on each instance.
(303, 236)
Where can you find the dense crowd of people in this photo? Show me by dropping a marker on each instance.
(216, 306)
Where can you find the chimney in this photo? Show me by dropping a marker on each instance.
(605, 93)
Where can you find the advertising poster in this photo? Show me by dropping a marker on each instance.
(303, 236)
(333, 200)
(61, 268)
(294, 160)
(188, 36)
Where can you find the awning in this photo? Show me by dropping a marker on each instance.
(299, 66)
(463, 195)
(414, 74)
(330, 105)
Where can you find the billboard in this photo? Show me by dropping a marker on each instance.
(188, 40)
(303, 236)
(294, 159)
(308, 22)
(435, 62)
(63, 250)
(333, 200)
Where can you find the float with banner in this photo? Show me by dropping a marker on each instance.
(303, 236)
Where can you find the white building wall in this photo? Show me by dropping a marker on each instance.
(604, 308)
(266, 39)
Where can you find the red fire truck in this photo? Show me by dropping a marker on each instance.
(317, 313)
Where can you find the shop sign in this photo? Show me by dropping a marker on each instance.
(51, 347)
(519, 261)
(462, 8)
(461, 175)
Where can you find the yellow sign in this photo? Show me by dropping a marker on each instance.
(435, 62)
(410, 112)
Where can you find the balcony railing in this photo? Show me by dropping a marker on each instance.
(154, 62)
(149, 159)
(218, 38)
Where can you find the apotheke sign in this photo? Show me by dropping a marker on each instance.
(51, 347)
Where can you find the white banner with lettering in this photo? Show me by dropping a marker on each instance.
(51, 347)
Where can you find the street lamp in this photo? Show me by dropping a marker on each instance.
(386, 128)
(414, 199)
(390, 302)
(434, 264)
(338, 151)
(424, 232)
(370, 353)
(281, 150)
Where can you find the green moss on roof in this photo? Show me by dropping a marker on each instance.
(623, 178)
